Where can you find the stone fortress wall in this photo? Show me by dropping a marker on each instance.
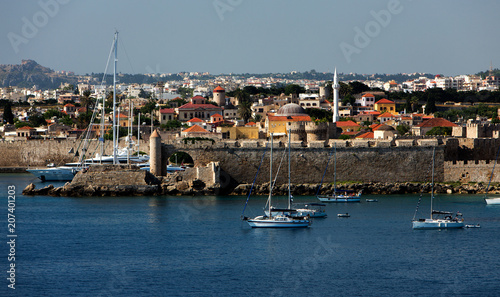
(400, 160)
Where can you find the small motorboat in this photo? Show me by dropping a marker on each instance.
(371, 200)
(343, 215)
(473, 226)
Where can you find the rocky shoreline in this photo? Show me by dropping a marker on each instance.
(198, 188)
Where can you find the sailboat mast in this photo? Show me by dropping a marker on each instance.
(271, 176)
(289, 194)
(335, 171)
(115, 133)
(103, 115)
(432, 185)
(138, 133)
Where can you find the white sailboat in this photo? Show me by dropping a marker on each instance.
(339, 195)
(278, 218)
(438, 219)
(313, 210)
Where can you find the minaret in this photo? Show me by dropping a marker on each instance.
(336, 88)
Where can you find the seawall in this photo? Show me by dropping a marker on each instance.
(406, 160)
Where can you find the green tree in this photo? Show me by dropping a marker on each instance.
(349, 99)
(66, 120)
(440, 131)
(83, 120)
(144, 94)
(109, 100)
(294, 89)
(252, 90)
(36, 120)
(358, 87)
(403, 129)
(180, 158)
(185, 92)
(319, 114)
(171, 125)
(53, 112)
(20, 124)
(148, 107)
(8, 116)
(257, 118)
(178, 102)
(86, 100)
(344, 89)
(244, 104)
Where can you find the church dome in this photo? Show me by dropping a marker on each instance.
(291, 109)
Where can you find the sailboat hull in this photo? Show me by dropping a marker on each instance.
(340, 198)
(437, 224)
(492, 201)
(54, 174)
(284, 222)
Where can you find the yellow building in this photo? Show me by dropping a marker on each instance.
(385, 105)
(235, 133)
(279, 123)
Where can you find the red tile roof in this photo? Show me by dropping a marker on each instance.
(366, 135)
(351, 133)
(250, 124)
(386, 115)
(216, 116)
(26, 128)
(195, 120)
(437, 122)
(69, 105)
(384, 101)
(368, 95)
(198, 97)
(196, 129)
(198, 106)
(219, 89)
(375, 126)
(167, 110)
(347, 124)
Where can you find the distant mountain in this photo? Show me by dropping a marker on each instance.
(30, 73)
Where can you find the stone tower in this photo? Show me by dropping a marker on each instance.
(316, 131)
(220, 96)
(155, 160)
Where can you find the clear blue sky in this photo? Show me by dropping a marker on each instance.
(254, 36)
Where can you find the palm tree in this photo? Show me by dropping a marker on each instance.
(86, 100)
(244, 104)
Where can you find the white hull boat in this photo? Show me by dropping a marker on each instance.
(61, 173)
(492, 201)
(341, 198)
(279, 221)
(438, 224)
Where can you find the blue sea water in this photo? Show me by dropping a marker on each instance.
(198, 246)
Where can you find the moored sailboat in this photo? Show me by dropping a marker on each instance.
(278, 218)
(438, 219)
(338, 195)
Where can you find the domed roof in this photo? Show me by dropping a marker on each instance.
(290, 109)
